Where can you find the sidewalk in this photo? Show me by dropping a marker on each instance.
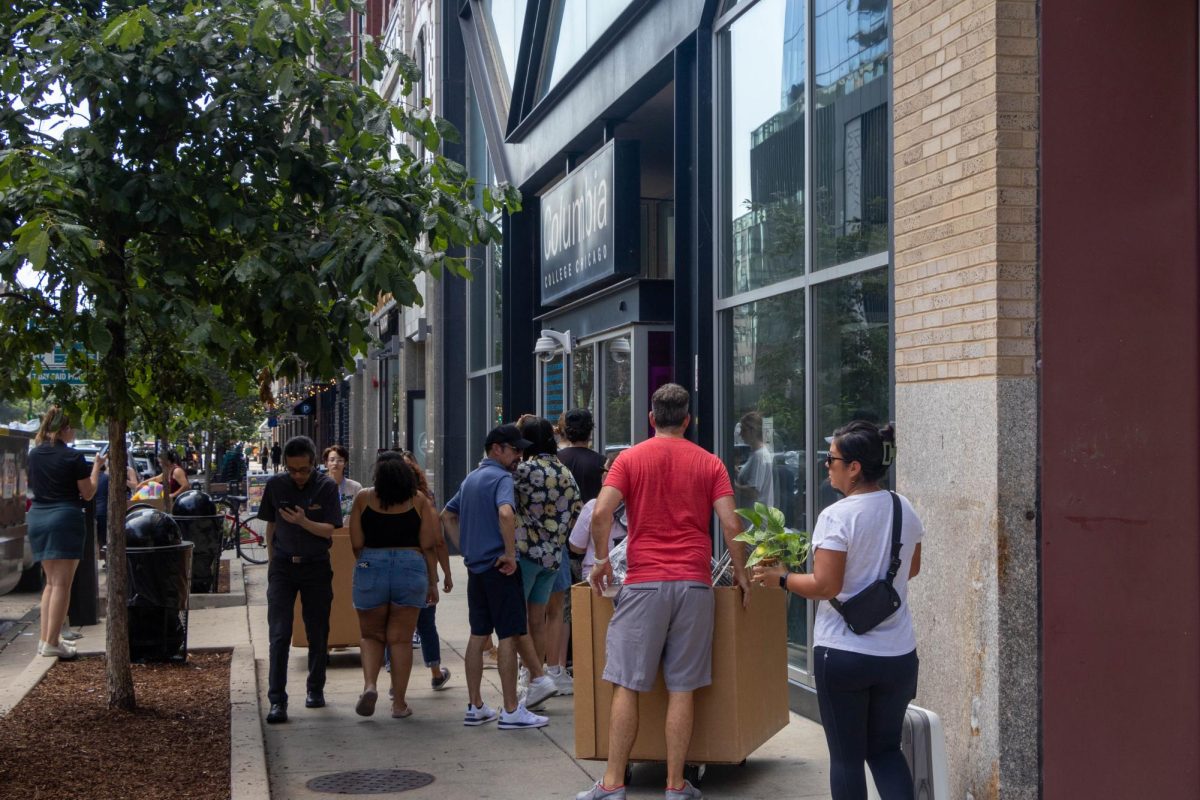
(479, 762)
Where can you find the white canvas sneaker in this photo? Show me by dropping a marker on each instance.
(564, 685)
(521, 718)
(540, 691)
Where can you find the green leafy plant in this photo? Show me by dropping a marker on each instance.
(771, 540)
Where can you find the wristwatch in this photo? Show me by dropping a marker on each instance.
(783, 580)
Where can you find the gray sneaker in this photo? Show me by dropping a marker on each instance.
(539, 692)
(598, 792)
(688, 792)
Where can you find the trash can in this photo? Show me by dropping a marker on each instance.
(200, 523)
(160, 565)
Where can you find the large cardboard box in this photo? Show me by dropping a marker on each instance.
(745, 706)
(343, 619)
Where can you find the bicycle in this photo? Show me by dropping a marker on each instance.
(236, 533)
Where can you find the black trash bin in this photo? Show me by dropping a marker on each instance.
(160, 565)
(200, 523)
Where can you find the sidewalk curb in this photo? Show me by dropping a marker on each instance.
(248, 777)
(24, 683)
(236, 596)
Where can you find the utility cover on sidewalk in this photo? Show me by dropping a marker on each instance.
(370, 781)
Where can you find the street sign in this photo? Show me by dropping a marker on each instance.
(54, 369)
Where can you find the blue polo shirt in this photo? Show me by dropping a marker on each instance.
(477, 504)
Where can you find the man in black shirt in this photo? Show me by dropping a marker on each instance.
(301, 509)
(586, 465)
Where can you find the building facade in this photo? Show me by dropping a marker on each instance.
(974, 217)
(809, 211)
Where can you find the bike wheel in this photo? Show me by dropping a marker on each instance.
(251, 545)
(229, 528)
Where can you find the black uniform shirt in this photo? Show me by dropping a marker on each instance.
(319, 499)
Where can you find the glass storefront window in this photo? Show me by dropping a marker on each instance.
(850, 130)
(852, 371)
(764, 422)
(764, 98)
(583, 378)
(496, 296)
(618, 394)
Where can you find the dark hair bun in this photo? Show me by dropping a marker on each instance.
(888, 432)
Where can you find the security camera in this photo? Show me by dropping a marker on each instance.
(545, 349)
(619, 349)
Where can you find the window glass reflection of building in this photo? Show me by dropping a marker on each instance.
(765, 128)
(850, 129)
(618, 395)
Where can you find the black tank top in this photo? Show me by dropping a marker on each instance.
(391, 530)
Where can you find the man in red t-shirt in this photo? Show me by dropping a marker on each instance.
(664, 611)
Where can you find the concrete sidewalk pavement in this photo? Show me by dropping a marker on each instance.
(482, 762)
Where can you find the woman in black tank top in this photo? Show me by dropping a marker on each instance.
(393, 530)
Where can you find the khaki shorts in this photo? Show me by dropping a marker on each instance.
(667, 622)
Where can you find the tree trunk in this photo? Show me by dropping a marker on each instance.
(119, 675)
(165, 438)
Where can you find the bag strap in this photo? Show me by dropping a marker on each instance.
(897, 527)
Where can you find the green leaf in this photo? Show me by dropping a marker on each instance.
(38, 249)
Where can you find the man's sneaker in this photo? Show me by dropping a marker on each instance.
(521, 718)
(598, 792)
(479, 716)
(522, 679)
(439, 683)
(540, 691)
(563, 683)
(688, 792)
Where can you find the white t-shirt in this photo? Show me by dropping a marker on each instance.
(581, 535)
(758, 473)
(861, 526)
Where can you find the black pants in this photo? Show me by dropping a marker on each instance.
(314, 583)
(863, 700)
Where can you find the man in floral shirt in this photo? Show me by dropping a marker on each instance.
(548, 503)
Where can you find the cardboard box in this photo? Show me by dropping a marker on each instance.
(746, 704)
(343, 619)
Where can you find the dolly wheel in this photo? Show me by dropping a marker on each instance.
(694, 773)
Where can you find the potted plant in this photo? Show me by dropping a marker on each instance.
(771, 540)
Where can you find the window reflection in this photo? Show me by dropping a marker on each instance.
(618, 395)
(850, 129)
(764, 122)
(583, 377)
(765, 421)
(575, 25)
(853, 380)
(507, 19)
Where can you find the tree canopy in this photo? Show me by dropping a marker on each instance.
(208, 183)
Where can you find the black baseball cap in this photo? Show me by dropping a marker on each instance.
(506, 434)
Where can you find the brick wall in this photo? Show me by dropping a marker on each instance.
(965, 123)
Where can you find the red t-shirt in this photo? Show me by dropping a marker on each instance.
(669, 486)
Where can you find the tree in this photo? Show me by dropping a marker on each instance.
(221, 188)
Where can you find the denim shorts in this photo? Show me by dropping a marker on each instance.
(563, 581)
(389, 575)
(538, 581)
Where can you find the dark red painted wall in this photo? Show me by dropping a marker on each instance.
(1120, 404)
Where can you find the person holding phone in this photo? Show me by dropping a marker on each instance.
(61, 482)
(302, 510)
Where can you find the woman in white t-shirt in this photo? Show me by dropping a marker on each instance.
(864, 682)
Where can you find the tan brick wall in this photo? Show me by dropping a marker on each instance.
(965, 104)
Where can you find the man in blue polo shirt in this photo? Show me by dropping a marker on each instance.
(482, 518)
(302, 510)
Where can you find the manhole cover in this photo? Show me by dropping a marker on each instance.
(370, 781)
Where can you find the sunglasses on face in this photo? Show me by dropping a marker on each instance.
(829, 459)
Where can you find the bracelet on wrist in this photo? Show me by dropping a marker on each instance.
(600, 561)
(783, 579)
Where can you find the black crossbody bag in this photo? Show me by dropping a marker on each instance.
(880, 600)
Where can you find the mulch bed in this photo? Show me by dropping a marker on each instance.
(63, 741)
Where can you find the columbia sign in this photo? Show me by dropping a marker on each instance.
(589, 224)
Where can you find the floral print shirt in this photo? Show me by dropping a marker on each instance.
(548, 504)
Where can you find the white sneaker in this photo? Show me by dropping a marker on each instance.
(59, 651)
(521, 718)
(539, 691)
(479, 716)
(522, 679)
(41, 646)
(564, 685)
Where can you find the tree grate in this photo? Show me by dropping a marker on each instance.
(370, 781)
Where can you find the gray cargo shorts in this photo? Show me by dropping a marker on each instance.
(667, 622)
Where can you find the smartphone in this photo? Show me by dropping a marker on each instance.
(104, 450)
